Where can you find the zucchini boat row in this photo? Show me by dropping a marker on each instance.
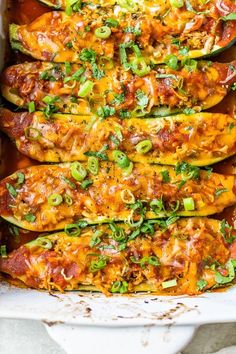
(189, 256)
(138, 39)
(200, 139)
(53, 197)
(78, 89)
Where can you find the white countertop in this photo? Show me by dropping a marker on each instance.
(30, 337)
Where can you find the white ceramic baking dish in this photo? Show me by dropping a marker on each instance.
(93, 324)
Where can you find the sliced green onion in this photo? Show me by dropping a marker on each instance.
(3, 251)
(21, 178)
(189, 204)
(139, 67)
(78, 172)
(30, 217)
(32, 133)
(171, 61)
(86, 89)
(99, 264)
(119, 287)
(120, 158)
(133, 223)
(72, 230)
(55, 199)
(177, 3)
(93, 165)
(128, 170)
(11, 190)
(68, 67)
(86, 183)
(106, 62)
(144, 146)
(103, 32)
(68, 200)
(157, 205)
(69, 182)
(127, 196)
(41, 242)
(118, 233)
(201, 284)
(169, 283)
(95, 239)
(31, 107)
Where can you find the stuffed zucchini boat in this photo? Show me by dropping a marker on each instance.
(138, 39)
(200, 139)
(77, 89)
(189, 256)
(53, 197)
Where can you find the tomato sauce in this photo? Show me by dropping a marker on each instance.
(26, 11)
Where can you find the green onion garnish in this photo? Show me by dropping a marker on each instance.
(55, 199)
(103, 32)
(144, 146)
(169, 283)
(121, 159)
(73, 230)
(86, 89)
(78, 171)
(189, 204)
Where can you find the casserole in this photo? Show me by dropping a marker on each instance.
(143, 323)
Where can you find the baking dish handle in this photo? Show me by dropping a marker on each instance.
(147, 339)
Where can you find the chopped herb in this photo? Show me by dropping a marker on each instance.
(124, 113)
(87, 54)
(165, 176)
(220, 279)
(219, 191)
(114, 140)
(106, 111)
(11, 190)
(201, 284)
(97, 73)
(30, 217)
(188, 111)
(119, 98)
(176, 41)
(188, 171)
(135, 30)
(111, 22)
(142, 98)
(99, 154)
(86, 183)
(118, 233)
(231, 126)
(69, 45)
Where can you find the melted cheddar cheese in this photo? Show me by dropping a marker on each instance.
(200, 139)
(187, 257)
(160, 92)
(112, 194)
(56, 36)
